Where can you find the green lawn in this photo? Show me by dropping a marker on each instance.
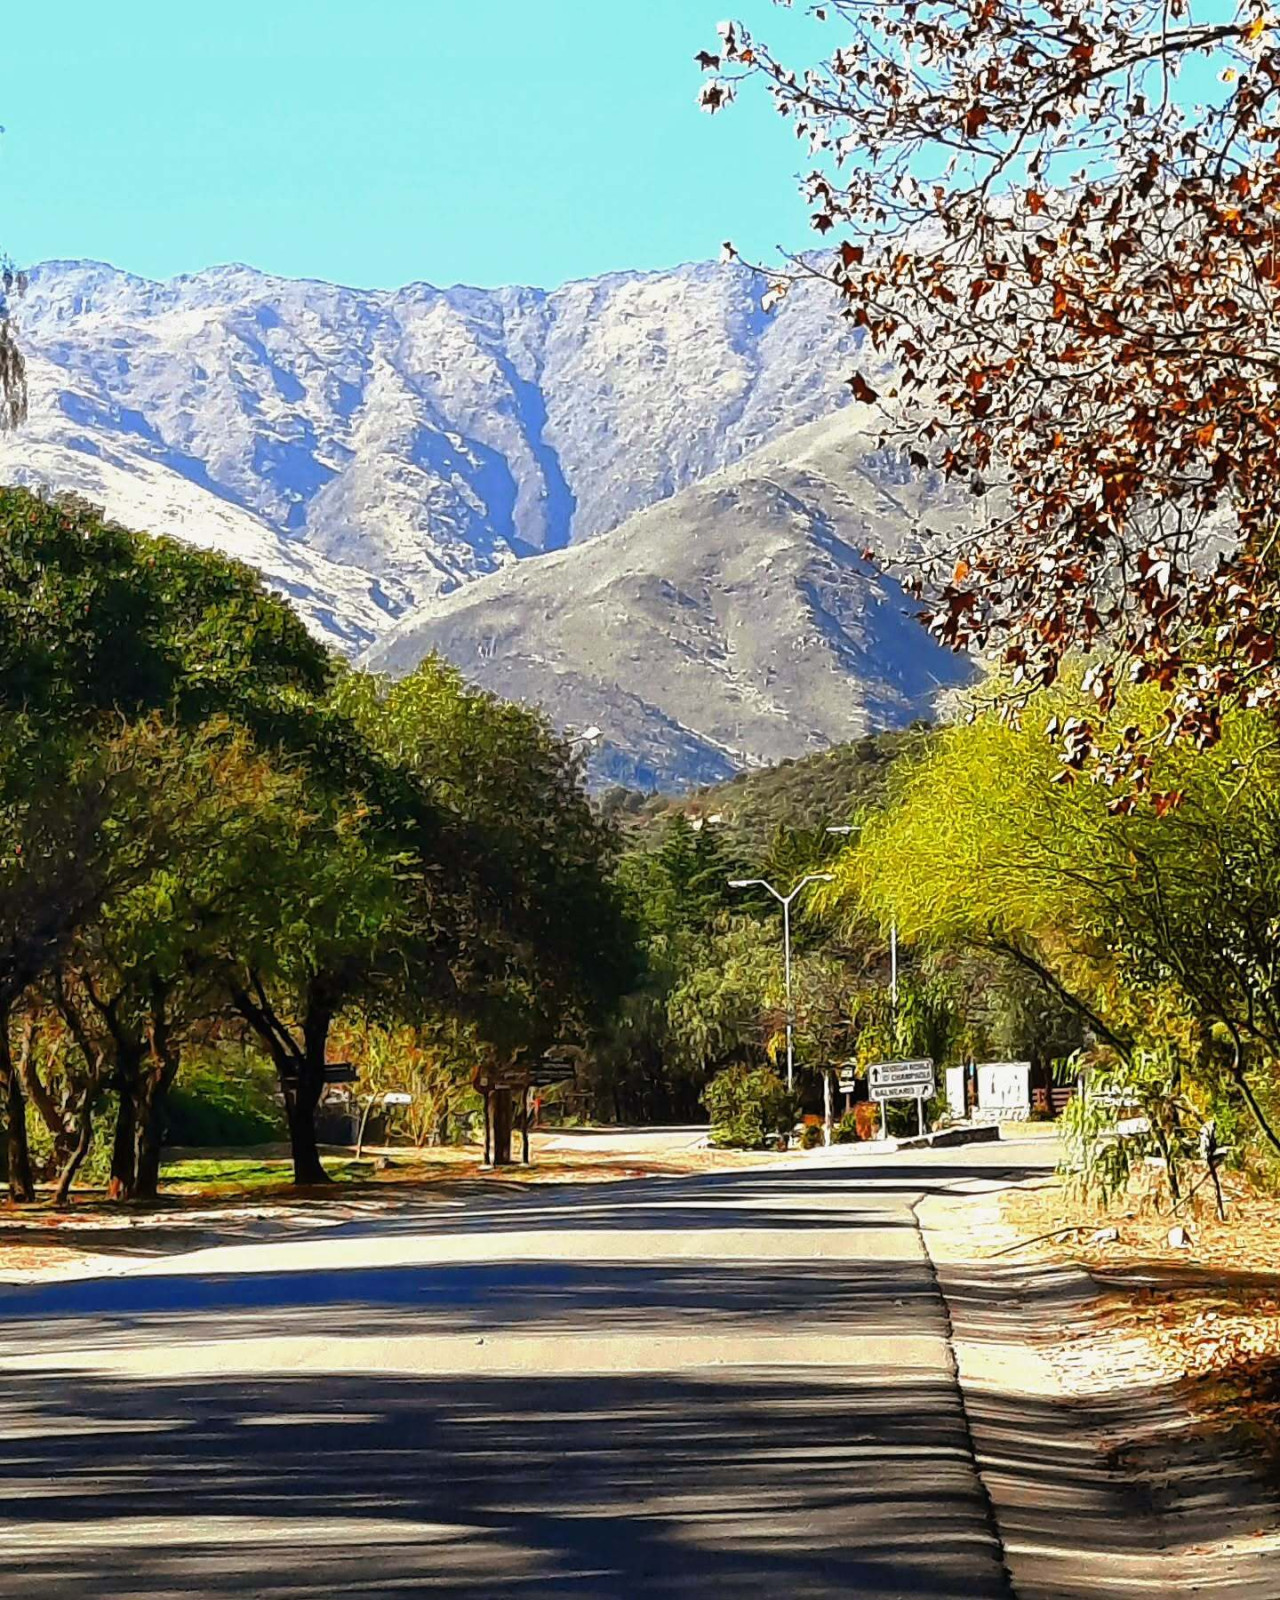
(251, 1172)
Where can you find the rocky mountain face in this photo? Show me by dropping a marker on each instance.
(427, 466)
(732, 625)
(425, 435)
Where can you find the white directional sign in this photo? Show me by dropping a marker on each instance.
(901, 1080)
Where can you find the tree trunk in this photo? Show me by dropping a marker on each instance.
(300, 1069)
(66, 1177)
(502, 1123)
(124, 1145)
(309, 1088)
(148, 1137)
(300, 1110)
(153, 1093)
(21, 1184)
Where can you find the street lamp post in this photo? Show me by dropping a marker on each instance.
(784, 900)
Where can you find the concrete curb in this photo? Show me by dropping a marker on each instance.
(944, 1138)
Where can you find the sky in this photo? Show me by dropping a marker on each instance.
(388, 141)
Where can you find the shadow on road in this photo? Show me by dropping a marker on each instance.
(625, 1487)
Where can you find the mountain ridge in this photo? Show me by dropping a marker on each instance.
(734, 625)
(374, 452)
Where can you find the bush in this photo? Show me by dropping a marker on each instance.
(224, 1098)
(811, 1138)
(863, 1122)
(750, 1108)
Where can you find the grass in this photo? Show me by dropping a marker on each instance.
(220, 1173)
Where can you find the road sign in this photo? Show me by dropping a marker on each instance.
(846, 1083)
(546, 1073)
(898, 1091)
(910, 1077)
(397, 1099)
(339, 1072)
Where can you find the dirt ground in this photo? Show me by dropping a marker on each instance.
(1202, 1316)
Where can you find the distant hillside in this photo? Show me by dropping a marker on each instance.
(727, 628)
(814, 792)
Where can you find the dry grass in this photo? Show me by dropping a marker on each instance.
(1208, 1313)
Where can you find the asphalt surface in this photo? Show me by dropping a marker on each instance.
(735, 1385)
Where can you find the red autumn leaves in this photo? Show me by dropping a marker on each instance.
(1073, 273)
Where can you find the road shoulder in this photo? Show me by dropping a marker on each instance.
(1098, 1483)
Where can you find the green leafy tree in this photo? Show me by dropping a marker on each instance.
(109, 642)
(546, 947)
(1138, 919)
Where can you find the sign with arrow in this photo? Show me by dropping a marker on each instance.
(901, 1080)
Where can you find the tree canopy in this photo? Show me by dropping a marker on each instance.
(208, 828)
(1057, 227)
(1157, 930)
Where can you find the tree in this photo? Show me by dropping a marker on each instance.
(1150, 928)
(452, 875)
(546, 945)
(323, 926)
(1062, 237)
(720, 1009)
(113, 646)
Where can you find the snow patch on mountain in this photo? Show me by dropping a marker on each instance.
(428, 436)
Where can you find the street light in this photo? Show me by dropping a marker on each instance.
(846, 829)
(784, 900)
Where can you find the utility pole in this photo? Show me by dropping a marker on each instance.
(785, 901)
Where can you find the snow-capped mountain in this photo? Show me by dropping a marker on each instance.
(423, 436)
(487, 472)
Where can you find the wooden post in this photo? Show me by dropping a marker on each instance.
(524, 1125)
(488, 1129)
(502, 1121)
(826, 1107)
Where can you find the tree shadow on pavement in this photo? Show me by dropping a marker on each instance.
(701, 1483)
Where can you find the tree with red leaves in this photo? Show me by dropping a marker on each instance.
(1059, 220)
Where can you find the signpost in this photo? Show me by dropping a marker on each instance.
(392, 1098)
(902, 1080)
(546, 1073)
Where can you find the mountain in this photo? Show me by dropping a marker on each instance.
(637, 500)
(422, 436)
(343, 605)
(731, 626)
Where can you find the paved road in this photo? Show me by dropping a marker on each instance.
(730, 1385)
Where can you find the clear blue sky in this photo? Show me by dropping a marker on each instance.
(375, 142)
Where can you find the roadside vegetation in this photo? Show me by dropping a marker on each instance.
(222, 853)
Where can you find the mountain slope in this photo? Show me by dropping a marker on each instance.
(732, 625)
(343, 605)
(425, 436)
